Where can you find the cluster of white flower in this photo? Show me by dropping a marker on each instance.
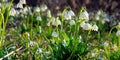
(87, 26)
(103, 16)
(69, 14)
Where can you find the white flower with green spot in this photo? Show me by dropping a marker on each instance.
(86, 26)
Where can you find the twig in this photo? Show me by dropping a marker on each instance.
(11, 53)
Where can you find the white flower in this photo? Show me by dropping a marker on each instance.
(56, 22)
(39, 18)
(97, 17)
(106, 19)
(103, 22)
(12, 12)
(32, 43)
(72, 22)
(84, 15)
(106, 44)
(19, 5)
(67, 16)
(37, 9)
(49, 14)
(54, 34)
(71, 13)
(118, 26)
(48, 53)
(95, 27)
(86, 26)
(25, 10)
(39, 50)
(118, 33)
(44, 8)
(99, 13)
(22, 1)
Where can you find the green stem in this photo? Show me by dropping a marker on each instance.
(111, 30)
(88, 36)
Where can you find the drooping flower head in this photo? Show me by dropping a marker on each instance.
(12, 12)
(86, 26)
(84, 15)
(95, 27)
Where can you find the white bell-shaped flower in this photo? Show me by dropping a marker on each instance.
(71, 13)
(72, 22)
(22, 1)
(118, 33)
(44, 8)
(19, 5)
(86, 26)
(67, 16)
(54, 34)
(56, 22)
(37, 9)
(95, 27)
(39, 18)
(84, 15)
(12, 12)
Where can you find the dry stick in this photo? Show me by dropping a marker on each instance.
(11, 53)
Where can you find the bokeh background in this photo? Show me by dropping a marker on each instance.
(111, 7)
